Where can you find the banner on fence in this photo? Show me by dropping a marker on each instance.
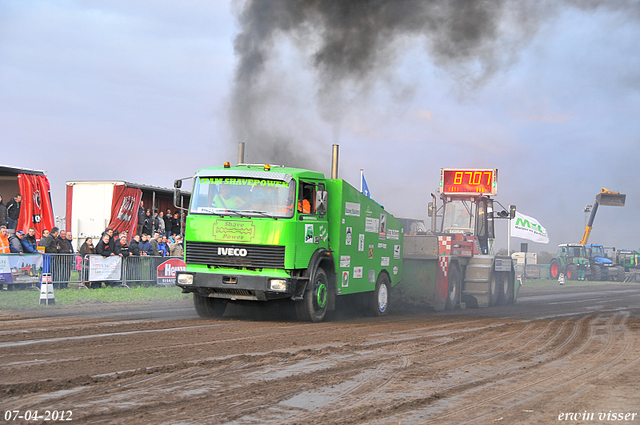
(167, 271)
(104, 268)
(20, 268)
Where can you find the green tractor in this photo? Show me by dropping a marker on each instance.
(569, 258)
(628, 258)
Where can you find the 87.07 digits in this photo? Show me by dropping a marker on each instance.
(33, 415)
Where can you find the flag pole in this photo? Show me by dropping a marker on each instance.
(361, 173)
(509, 238)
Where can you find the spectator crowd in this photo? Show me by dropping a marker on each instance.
(158, 234)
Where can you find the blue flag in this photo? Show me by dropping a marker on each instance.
(365, 188)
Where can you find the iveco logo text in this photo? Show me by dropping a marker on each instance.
(233, 252)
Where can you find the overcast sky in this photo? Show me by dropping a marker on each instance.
(151, 91)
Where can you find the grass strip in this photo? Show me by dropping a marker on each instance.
(22, 300)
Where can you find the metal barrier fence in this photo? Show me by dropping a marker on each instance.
(64, 268)
(24, 271)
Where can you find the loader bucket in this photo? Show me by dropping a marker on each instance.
(611, 199)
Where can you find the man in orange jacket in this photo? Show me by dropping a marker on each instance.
(304, 206)
(4, 240)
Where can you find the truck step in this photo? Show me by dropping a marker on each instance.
(478, 280)
(472, 292)
(476, 286)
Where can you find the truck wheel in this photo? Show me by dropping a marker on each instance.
(596, 273)
(621, 276)
(494, 292)
(572, 272)
(507, 288)
(379, 304)
(208, 307)
(453, 292)
(313, 306)
(554, 269)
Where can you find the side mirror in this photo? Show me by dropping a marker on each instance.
(512, 211)
(430, 209)
(176, 198)
(177, 184)
(321, 202)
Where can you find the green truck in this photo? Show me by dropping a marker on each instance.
(256, 233)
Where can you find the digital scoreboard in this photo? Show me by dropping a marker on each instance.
(473, 181)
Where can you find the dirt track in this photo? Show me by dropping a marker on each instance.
(558, 350)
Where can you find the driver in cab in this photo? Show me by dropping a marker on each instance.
(227, 199)
(304, 207)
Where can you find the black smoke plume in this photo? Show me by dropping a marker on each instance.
(350, 44)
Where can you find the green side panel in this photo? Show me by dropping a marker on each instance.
(418, 285)
(365, 239)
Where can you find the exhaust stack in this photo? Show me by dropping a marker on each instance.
(334, 162)
(240, 153)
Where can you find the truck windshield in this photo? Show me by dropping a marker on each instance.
(459, 217)
(243, 196)
(597, 251)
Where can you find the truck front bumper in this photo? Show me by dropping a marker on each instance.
(241, 287)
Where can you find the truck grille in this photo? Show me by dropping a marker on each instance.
(231, 255)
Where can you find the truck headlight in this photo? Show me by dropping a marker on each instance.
(278, 284)
(185, 279)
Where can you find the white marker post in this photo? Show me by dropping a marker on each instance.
(46, 290)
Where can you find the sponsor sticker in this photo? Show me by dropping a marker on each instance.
(372, 276)
(371, 225)
(384, 261)
(345, 279)
(308, 233)
(352, 209)
(345, 261)
(382, 232)
(502, 265)
(361, 242)
(396, 252)
(382, 245)
(370, 252)
(393, 234)
(357, 272)
(349, 236)
(324, 234)
(395, 270)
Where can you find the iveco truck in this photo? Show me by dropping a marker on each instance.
(256, 233)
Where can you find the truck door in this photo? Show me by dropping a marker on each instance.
(313, 231)
(484, 223)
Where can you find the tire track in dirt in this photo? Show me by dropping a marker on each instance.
(542, 391)
(123, 349)
(582, 382)
(105, 380)
(340, 414)
(368, 402)
(373, 363)
(384, 380)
